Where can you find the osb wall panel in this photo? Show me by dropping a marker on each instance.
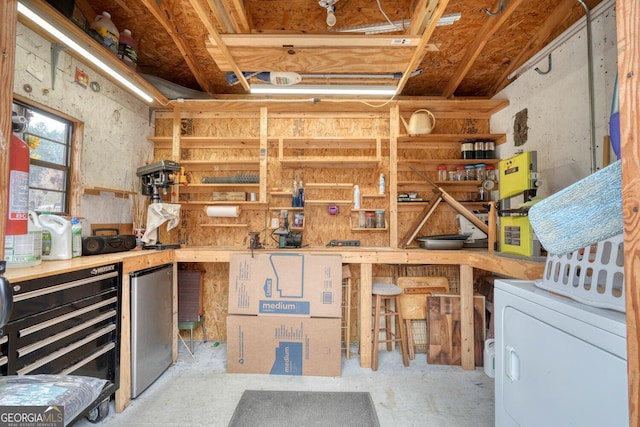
(320, 226)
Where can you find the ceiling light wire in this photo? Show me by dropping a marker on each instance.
(387, 18)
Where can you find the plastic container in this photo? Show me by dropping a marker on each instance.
(370, 221)
(451, 176)
(128, 49)
(379, 219)
(59, 230)
(459, 173)
(103, 30)
(478, 148)
(490, 173)
(301, 195)
(25, 250)
(466, 149)
(356, 197)
(76, 237)
(381, 184)
(469, 173)
(481, 172)
(442, 172)
(593, 275)
(489, 150)
(490, 358)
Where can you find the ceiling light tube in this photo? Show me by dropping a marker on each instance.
(75, 46)
(368, 90)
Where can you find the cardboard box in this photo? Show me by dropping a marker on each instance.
(285, 283)
(284, 345)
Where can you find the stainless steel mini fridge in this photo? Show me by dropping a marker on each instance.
(151, 325)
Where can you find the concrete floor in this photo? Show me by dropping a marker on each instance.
(198, 392)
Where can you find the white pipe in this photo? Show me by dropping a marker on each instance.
(592, 113)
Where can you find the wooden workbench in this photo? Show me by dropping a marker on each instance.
(366, 257)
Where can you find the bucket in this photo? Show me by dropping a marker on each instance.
(24, 250)
(56, 237)
(128, 49)
(490, 358)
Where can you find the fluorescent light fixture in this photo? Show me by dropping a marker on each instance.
(72, 44)
(324, 90)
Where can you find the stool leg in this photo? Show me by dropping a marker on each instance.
(412, 353)
(387, 323)
(400, 326)
(376, 333)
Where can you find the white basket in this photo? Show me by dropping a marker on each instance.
(593, 275)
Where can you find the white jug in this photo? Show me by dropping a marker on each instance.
(60, 231)
(421, 122)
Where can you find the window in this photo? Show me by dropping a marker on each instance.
(49, 140)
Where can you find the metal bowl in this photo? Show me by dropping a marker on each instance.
(443, 241)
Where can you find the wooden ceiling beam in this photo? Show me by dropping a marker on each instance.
(237, 12)
(337, 40)
(421, 15)
(220, 13)
(492, 25)
(559, 15)
(420, 49)
(165, 17)
(205, 17)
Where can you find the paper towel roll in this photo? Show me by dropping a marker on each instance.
(222, 211)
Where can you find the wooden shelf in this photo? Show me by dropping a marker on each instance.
(329, 185)
(332, 163)
(327, 160)
(328, 202)
(204, 188)
(220, 165)
(225, 225)
(431, 164)
(432, 140)
(286, 208)
(206, 142)
(200, 204)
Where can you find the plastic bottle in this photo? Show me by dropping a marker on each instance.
(381, 184)
(300, 195)
(59, 230)
(356, 197)
(76, 237)
(128, 49)
(25, 250)
(294, 194)
(442, 172)
(103, 30)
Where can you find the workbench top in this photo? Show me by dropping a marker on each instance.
(134, 260)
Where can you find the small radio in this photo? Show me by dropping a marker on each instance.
(96, 245)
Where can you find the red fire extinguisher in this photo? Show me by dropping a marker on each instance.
(18, 206)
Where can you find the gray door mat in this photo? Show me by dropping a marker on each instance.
(268, 408)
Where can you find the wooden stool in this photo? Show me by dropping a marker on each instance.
(384, 293)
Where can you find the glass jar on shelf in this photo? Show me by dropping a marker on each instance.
(370, 220)
(480, 169)
(460, 173)
(451, 176)
(490, 173)
(379, 219)
(442, 172)
(469, 173)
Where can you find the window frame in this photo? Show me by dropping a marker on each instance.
(73, 184)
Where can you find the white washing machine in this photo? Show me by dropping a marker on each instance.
(558, 362)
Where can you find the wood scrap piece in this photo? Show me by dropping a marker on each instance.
(420, 221)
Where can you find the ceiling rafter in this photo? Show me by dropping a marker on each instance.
(559, 15)
(422, 13)
(420, 50)
(492, 24)
(205, 17)
(221, 15)
(165, 17)
(235, 9)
